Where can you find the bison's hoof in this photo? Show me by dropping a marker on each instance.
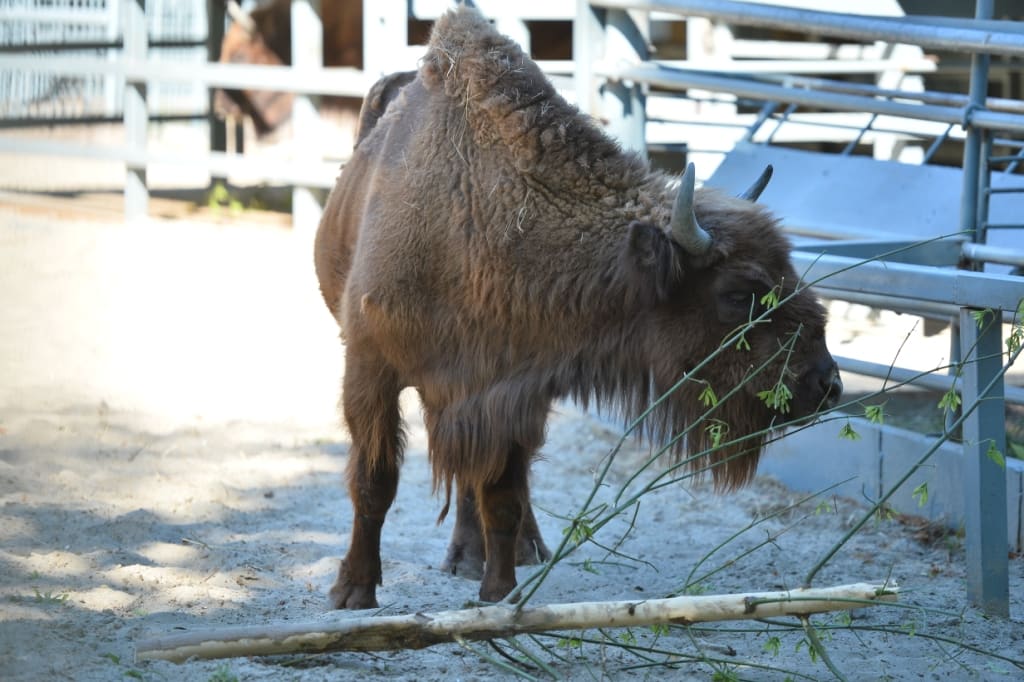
(345, 595)
(465, 561)
(496, 591)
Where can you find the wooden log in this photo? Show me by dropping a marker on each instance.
(419, 630)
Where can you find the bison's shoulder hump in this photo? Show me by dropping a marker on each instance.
(508, 101)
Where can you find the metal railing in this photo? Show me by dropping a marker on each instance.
(614, 77)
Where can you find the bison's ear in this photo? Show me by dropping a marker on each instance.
(652, 261)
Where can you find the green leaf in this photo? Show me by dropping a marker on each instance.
(994, 455)
(950, 400)
(771, 299)
(1017, 449)
(579, 532)
(875, 413)
(707, 396)
(777, 397)
(921, 494)
(660, 629)
(742, 343)
(980, 315)
(773, 645)
(716, 429)
(848, 433)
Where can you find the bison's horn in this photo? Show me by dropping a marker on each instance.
(241, 17)
(686, 231)
(754, 191)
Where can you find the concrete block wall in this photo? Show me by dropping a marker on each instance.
(817, 457)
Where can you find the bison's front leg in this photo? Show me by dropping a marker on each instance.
(502, 505)
(465, 556)
(370, 403)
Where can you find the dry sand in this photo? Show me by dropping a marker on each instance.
(170, 459)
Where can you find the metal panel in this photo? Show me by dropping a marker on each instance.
(853, 462)
(838, 196)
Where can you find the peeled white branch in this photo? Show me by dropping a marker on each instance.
(380, 633)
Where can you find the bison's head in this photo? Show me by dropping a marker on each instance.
(732, 315)
(263, 37)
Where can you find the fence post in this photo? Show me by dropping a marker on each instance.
(611, 37)
(214, 38)
(385, 36)
(984, 433)
(985, 429)
(307, 53)
(136, 113)
(588, 37)
(625, 103)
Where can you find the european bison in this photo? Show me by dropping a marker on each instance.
(264, 36)
(489, 245)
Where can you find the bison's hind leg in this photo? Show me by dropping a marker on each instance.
(370, 404)
(502, 505)
(465, 557)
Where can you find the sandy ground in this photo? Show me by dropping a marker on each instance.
(170, 459)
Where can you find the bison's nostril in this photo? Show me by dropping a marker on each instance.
(832, 386)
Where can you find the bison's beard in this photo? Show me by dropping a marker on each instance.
(723, 439)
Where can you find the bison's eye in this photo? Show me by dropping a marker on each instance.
(739, 299)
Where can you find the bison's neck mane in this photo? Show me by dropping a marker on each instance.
(507, 101)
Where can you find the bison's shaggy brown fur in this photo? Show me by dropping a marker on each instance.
(490, 246)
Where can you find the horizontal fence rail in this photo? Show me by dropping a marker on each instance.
(962, 35)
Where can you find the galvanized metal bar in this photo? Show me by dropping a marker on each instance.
(981, 349)
(783, 117)
(136, 114)
(936, 143)
(952, 99)
(927, 309)
(984, 433)
(1004, 226)
(1003, 38)
(767, 109)
(852, 144)
(938, 252)
(673, 79)
(933, 381)
(961, 288)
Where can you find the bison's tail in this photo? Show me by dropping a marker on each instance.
(447, 501)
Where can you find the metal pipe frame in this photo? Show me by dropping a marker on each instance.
(933, 381)
(970, 293)
(674, 79)
(979, 36)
